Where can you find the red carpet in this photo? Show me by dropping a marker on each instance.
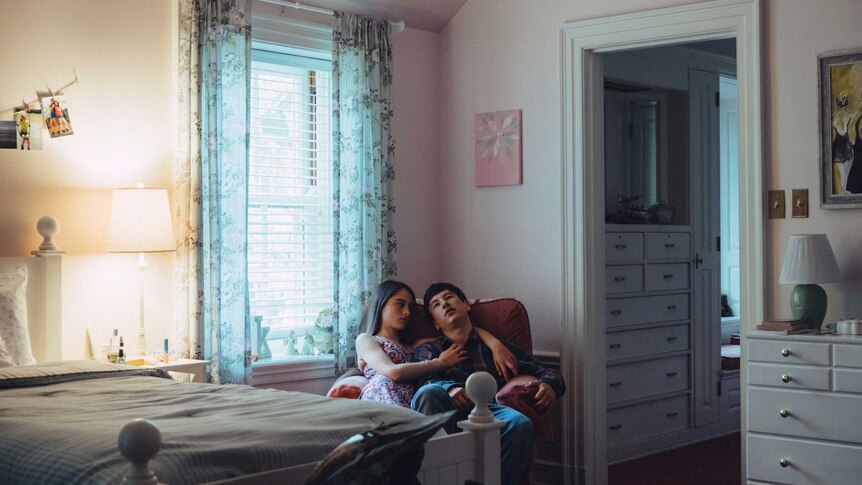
(713, 462)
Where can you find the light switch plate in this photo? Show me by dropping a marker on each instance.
(776, 204)
(800, 202)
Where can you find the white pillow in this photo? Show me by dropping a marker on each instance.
(14, 330)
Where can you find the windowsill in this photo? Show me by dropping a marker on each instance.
(293, 368)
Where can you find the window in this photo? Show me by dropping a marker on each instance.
(290, 236)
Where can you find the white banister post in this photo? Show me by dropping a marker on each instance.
(481, 388)
(139, 441)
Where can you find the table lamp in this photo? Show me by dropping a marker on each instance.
(140, 223)
(808, 260)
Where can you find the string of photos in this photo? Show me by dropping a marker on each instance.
(32, 119)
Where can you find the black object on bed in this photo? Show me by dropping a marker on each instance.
(387, 455)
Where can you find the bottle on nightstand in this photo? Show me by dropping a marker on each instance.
(121, 355)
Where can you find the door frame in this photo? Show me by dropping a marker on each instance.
(582, 180)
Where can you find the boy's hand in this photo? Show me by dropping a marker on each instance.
(459, 398)
(545, 395)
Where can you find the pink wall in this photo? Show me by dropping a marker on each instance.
(505, 54)
(416, 96)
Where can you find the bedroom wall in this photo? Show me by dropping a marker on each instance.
(121, 113)
(505, 54)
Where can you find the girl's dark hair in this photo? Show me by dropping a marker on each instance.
(373, 311)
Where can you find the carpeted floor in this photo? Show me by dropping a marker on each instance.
(713, 462)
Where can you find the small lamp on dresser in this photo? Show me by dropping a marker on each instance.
(141, 223)
(809, 260)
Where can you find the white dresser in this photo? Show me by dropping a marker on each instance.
(648, 335)
(804, 409)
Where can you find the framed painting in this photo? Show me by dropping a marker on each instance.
(840, 84)
(498, 148)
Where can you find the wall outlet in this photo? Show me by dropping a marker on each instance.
(800, 202)
(776, 204)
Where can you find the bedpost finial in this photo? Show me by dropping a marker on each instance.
(139, 441)
(47, 226)
(481, 387)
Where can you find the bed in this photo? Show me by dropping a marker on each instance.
(60, 421)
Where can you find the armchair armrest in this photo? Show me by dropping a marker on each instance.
(516, 395)
(348, 386)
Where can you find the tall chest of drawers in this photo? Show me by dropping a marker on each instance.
(648, 335)
(803, 409)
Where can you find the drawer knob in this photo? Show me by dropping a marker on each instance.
(669, 245)
(671, 307)
(786, 378)
(615, 346)
(786, 352)
(615, 427)
(620, 246)
(672, 339)
(619, 278)
(615, 312)
(672, 415)
(615, 384)
(672, 374)
(784, 413)
(784, 462)
(667, 276)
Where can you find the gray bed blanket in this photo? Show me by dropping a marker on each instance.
(60, 425)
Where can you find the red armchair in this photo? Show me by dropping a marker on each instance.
(506, 319)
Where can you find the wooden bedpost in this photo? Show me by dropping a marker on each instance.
(139, 442)
(481, 388)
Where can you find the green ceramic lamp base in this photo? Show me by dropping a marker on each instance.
(808, 303)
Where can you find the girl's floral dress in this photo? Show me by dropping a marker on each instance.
(383, 389)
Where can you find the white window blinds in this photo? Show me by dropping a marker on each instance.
(290, 237)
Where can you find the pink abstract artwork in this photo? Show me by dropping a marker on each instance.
(498, 148)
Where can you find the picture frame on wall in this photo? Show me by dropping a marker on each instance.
(840, 87)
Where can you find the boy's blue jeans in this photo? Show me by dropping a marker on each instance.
(516, 437)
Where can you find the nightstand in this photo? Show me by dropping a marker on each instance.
(196, 368)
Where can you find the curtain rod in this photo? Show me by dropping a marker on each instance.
(397, 26)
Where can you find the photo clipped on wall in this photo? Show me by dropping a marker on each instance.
(56, 115)
(7, 135)
(28, 127)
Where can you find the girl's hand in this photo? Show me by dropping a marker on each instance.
(454, 355)
(504, 361)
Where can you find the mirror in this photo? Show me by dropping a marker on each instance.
(646, 170)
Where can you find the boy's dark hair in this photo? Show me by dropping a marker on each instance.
(436, 288)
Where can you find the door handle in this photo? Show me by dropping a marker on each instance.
(697, 260)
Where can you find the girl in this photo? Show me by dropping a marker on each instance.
(389, 367)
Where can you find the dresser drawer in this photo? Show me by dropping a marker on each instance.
(848, 355)
(646, 309)
(788, 352)
(625, 278)
(820, 415)
(637, 343)
(632, 423)
(847, 380)
(624, 246)
(666, 276)
(667, 245)
(647, 378)
(808, 462)
(790, 376)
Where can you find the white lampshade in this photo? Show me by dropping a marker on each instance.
(140, 222)
(809, 259)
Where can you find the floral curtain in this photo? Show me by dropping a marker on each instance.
(210, 195)
(363, 170)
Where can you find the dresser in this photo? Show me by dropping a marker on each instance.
(803, 409)
(648, 335)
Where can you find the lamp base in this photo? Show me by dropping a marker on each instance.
(808, 303)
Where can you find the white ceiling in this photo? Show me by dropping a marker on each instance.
(431, 15)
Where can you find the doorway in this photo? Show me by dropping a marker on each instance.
(583, 285)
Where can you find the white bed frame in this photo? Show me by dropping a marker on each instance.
(453, 459)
